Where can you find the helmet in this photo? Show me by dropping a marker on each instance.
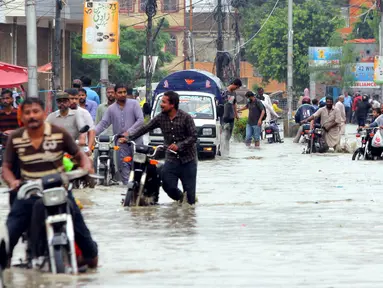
(306, 100)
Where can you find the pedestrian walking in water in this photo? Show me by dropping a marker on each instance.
(254, 121)
(126, 117)
(229, 97)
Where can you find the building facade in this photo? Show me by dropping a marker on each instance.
(13, 36)
(132, 14)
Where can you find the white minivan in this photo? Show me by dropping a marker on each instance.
(202, 107)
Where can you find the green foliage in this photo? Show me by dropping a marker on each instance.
(367, 27)
(314, 24)
(239, 131)
(127, 69)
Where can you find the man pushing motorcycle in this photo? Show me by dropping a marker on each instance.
(40, 147)
(180, 136)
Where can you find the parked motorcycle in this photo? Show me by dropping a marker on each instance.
(317, 143)
(104, 160)
(144, 179)
(366, 151)
(59, 245)
(273, 133)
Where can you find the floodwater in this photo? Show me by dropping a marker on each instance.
(266, 218)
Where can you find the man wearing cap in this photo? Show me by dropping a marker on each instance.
(66, 118)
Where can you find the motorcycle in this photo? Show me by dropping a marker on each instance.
(144, 179)
(104, 161)
(317, 143)
(59, 245)
(366, 151)
(273, 132)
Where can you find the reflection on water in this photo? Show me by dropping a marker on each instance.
(291, 221)
(173, 217)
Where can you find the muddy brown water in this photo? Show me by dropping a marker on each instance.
(284, 220)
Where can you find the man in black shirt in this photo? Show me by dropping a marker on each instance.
(254, 121)
(180, 135)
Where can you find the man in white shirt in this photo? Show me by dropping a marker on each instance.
(85, 115)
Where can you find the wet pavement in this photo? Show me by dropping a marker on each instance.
(266, 218)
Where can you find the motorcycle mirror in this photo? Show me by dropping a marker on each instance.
(84, 129)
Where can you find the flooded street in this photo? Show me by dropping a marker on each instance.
(265, 218)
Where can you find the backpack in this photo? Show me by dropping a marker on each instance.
(264, 108)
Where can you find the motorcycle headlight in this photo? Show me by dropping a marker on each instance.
(54, 196)
(207, 131)
(318, 131)
(103, 147)
(157, 131)
(139, 158)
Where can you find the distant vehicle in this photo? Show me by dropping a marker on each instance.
(199, 92)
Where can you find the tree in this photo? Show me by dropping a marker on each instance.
(128, 69)
(367, 27)
(314, 24)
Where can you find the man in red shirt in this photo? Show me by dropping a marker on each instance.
(357, 98)
(8, 116)
(8, 123)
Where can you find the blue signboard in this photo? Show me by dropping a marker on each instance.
(325, 54)
(363, 72)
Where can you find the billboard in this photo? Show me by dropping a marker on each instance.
(378, 70)
(325, 56)
(363, 75)
(101, 30)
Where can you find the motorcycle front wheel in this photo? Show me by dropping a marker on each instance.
(128, 198)
(61, 259)
(358, 155)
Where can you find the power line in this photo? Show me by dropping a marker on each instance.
(260, 29)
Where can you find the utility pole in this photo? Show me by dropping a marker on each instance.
(104, 75)
(219, 42)
(56, 81)
(238, 45)
(151, 10)
(290, 62)
(30, 11)
(191, 42)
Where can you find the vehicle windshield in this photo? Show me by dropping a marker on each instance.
(199, 107)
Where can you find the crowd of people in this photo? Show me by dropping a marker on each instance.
(35, 145)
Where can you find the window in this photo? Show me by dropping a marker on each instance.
(170, 5)
(172, 46)
(126, 6)
(142, 5)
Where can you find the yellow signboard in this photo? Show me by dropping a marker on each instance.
(101, 30)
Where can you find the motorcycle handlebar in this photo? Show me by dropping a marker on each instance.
(35, 187)
(155, 150)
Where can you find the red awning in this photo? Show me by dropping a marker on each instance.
(12, 75)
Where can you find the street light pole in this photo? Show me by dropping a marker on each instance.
(290, 61)
(30, 11)
(151, 10)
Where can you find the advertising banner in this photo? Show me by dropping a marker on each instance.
(325, 56)
(363, 74)
(101, 30)
(378, 70)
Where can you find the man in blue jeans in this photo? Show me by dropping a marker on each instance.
(254, 121)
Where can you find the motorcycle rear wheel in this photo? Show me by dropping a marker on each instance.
(61, 259)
